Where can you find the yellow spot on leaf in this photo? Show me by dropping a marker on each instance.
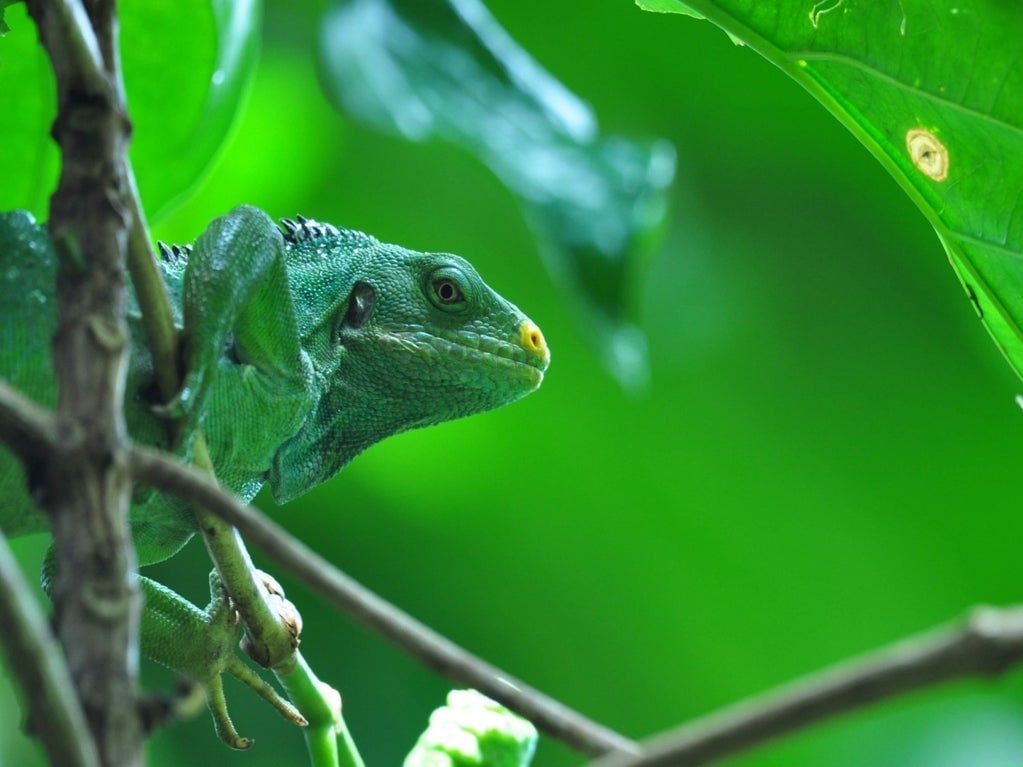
(928, 154)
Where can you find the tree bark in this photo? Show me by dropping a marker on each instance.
(86, 488)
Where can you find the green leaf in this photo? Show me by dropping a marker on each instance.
(186, 64)
(474, 731)
(447, 69)
(28, 105)
(667, 6)
(934, 89)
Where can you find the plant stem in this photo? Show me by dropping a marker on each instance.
(326, 735)
(383, 618)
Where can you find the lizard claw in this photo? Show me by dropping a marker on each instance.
(263, 689)
(222, 723)
(211, 655)
(233, 665)
(217, 703)
(215, 700)
(179, 407)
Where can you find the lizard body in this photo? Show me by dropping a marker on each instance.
(300, 348)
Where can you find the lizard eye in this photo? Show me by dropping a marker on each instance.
(447, 288)
(447, 291)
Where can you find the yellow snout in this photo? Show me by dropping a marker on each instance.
(532, 340)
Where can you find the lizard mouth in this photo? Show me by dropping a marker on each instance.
(501, 359)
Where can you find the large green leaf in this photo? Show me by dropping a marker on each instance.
(447, 69)
(186, 64)
(934, 89)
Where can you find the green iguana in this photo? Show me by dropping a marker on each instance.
(301, 348)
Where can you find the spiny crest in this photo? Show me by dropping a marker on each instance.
(174, 254)
(302, 229)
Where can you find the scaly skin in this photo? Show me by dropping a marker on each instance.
(301, 350)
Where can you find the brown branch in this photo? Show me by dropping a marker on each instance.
(416, 639)
(86, 484)
(28, 430)
(986, 643)
(35, 661)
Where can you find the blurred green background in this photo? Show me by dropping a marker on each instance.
(821, 464)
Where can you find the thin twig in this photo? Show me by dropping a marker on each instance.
(416, 639)
(157, 318)
(35, 661)
(28, 430)
(24, 422)
(68, 22)
(987, 642)
(268, 639)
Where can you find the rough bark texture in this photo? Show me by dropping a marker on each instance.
(86, 488)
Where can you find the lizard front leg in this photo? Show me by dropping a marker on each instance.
(236, 302)
(200, 645)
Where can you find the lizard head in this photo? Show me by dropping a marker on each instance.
(409, 339)
(429, 339)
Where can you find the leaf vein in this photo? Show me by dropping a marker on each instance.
(851, 61)
(1002, 248)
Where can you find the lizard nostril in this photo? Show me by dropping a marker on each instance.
(533, 341)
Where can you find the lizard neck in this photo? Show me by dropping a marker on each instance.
(347, 419)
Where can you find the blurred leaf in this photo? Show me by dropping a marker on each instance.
(254, 156)
(28, 104)
(182, 114)
(934, 89)
(474, 731)
(181, 106)
(447, 69)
